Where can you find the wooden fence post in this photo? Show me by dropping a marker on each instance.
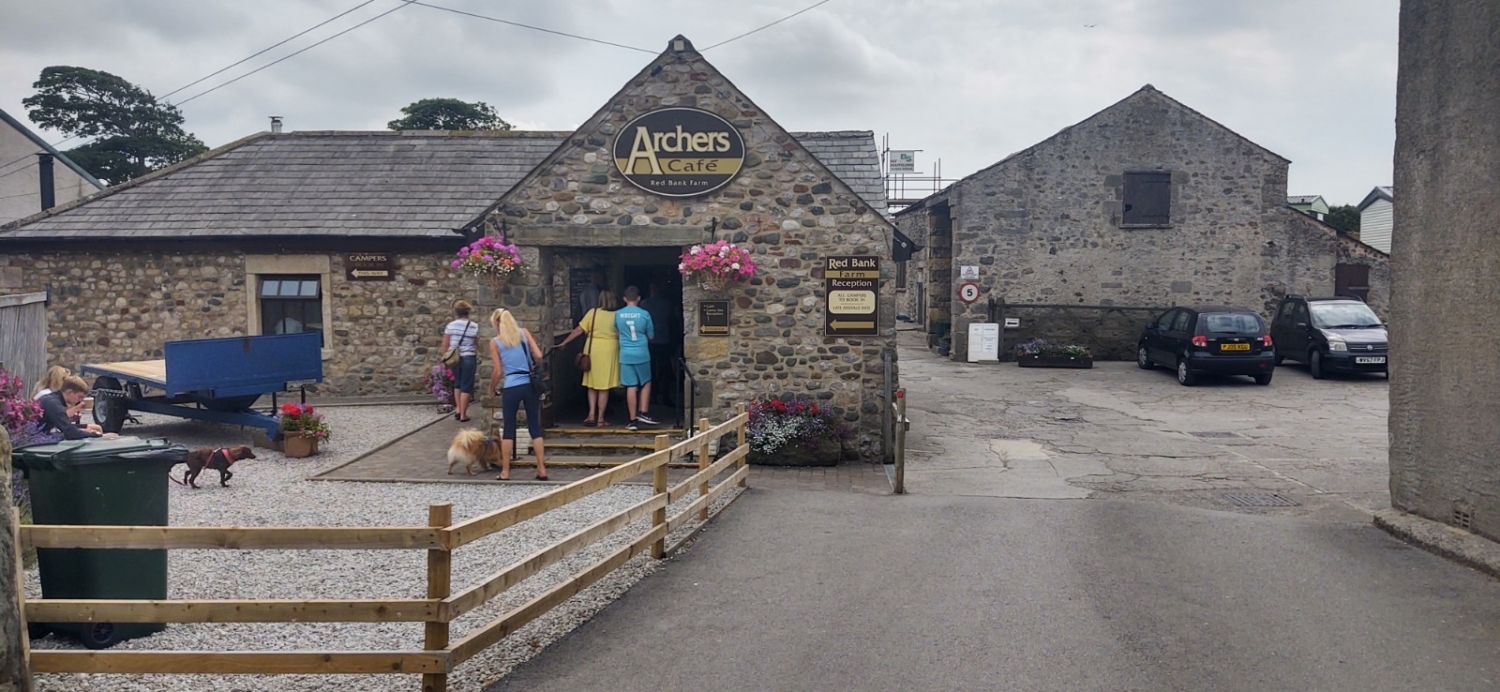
(703, 463)
(439, 586)
(659, 486)
(740, 432)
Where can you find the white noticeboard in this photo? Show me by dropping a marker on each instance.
(903, 161)
(969, 272)
(984, 342)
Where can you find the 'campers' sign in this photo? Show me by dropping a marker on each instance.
(370, 266)
(852, 287)
(679, 152)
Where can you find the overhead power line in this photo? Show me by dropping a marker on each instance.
(534, 28)
(404, 4)
(752, 31)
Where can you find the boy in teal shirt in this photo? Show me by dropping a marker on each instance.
(635, 328)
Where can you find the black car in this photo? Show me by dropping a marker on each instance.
(1209, 339)
(1330, 334)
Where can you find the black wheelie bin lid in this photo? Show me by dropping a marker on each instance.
(68, 454)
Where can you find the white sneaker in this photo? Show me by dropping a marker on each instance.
(648, 420)
(631, 426)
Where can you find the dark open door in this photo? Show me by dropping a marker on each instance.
(1352, 280)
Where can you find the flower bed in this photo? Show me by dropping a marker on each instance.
(794, 432)
(1041, 353)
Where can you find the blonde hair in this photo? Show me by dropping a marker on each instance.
(52, 380)
(505, 324)
(607, 300)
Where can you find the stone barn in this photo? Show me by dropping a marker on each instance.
(1144, 205)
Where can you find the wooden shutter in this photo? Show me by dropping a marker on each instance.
(1147, 199)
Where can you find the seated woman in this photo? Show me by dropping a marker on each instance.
(55, 407)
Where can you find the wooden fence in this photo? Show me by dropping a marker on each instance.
(23, 336)
(439, 538)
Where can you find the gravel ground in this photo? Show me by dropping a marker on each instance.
(271, 491)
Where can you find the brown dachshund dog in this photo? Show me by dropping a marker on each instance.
(218, 459)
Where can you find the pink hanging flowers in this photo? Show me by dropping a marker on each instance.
(487, 258)
(714, 265)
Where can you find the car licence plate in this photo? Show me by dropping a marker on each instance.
(1369, 360)
(1234, 347)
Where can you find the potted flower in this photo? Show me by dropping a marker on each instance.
(302, 427)
(440, 382)
(1041, 353)
(794, 432)
(490, 258)
(714, 265)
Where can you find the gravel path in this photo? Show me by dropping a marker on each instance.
(271, 490)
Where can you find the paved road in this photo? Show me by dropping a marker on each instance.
(794, 590)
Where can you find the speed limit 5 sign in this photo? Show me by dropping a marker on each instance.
(968, 292)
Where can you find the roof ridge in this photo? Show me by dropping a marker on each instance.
(37, 139)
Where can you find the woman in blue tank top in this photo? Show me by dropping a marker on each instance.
(509, 352)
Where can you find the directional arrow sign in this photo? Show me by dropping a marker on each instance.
(851, 295)
(842, 325)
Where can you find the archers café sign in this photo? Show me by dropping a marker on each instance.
(679, 152)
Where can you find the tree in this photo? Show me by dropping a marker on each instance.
(449, 114)
(1345, 218)
(132, 132)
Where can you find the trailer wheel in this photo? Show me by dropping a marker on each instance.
(109, 404)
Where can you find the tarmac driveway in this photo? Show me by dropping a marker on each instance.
(1117, 431)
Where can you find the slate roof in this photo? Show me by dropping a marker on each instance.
(1381, 192)
(1302, 199)
(364, 184)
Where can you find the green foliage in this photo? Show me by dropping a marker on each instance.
(449, 114)
(1345, 218)
(133, 133)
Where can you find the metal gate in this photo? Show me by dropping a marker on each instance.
(23, 335)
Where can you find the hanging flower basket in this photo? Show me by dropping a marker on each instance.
(490, 259)
(715, 265)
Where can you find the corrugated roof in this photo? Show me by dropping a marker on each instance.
(368, 184)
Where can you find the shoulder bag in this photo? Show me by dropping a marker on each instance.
(451, 356)
(538, 383)
(582, 360)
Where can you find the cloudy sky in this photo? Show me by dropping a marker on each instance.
(964, 81)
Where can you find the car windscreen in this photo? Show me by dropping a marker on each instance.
(1231, 323)
(1343, 316)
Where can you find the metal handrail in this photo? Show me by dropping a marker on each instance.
(692, 401)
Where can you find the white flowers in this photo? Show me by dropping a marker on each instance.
(735, 266)
(724, 251)
(696, 250)
(681, 266)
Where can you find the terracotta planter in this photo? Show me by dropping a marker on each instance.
(1041, 361)
(795, 454)
(299, 446)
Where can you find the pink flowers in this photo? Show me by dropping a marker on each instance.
(721, 260)
(487, 256)
(303, 419)
(16, 409)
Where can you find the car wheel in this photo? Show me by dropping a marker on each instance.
(1263, 379)
(1315, 364)
(1142, 359)
(1185, 377)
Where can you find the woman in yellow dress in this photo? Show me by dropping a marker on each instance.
(603, 347)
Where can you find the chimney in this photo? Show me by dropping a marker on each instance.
(44, 176)
(275, 124)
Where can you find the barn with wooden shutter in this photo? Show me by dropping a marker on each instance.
(1084, 236)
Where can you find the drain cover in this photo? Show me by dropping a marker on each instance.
(1260, 500)
(1215, 433)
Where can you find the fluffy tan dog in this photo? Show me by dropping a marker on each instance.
(471, 447)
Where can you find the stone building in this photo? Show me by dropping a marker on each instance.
(1445, 374)
(350, 233)
(1144, 205)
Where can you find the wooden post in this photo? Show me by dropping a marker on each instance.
(901, 424)
(659, 486)
(439, 586)
(703, 463)
(740, 432)
(15, 673)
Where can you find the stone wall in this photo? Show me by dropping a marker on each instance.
(381, 336)
(1445, 369)
(1043, 226)
(784, 206)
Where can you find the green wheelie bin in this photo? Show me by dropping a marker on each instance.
(112, 482)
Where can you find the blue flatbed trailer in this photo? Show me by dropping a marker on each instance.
(216, 380)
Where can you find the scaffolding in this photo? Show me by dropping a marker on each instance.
(904, 186)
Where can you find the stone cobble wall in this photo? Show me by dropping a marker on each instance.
(784, 206)
(382, 336)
